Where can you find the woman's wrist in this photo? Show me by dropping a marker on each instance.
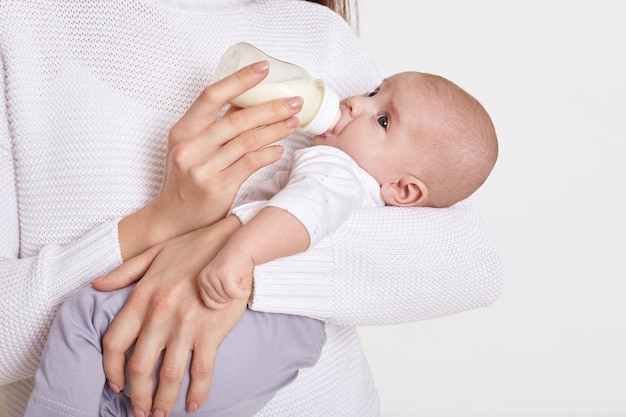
(139, 231)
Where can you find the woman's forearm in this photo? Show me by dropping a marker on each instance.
(137, 233)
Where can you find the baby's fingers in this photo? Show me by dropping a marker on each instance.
(213, 299)
(239, 290)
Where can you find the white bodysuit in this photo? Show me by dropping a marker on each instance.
(322, 187)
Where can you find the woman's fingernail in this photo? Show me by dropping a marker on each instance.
(260, 67)
(295, 102)
(278, 149)
(192, 407)
(158, 413)
(138, 412)
(114, 388)
(292, 122)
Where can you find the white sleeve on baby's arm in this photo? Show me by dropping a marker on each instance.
(322, 188)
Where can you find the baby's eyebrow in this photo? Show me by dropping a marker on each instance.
(380, 86)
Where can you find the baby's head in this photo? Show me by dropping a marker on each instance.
(425, 140)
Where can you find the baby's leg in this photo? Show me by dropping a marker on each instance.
(261, 355)
(70, 379)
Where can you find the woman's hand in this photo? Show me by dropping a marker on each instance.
(208, 160)
(165, 312)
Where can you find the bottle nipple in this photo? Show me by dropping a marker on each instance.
(328, 113)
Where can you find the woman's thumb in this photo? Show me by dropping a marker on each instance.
(128, 272)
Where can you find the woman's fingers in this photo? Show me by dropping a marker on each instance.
(234, 126)
(201, 371)
(163, 312)
(255, 139)
(141, 364)
(164, 328)
(207, 105)
(127, 273)
(210, 337)
(239, 120)
(171, 374)
(244, 155)
(120, 336)
(238, 133)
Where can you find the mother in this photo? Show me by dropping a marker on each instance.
(90, 91)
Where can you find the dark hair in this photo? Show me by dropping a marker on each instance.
(342, 7)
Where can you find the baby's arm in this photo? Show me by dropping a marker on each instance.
(273, 233)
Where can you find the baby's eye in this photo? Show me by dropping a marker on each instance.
(373, 93)
(383, 120)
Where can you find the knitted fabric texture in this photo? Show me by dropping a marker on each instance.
(90, 90)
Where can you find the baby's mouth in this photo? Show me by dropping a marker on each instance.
(329, 132)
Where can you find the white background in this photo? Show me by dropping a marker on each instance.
(552, 75)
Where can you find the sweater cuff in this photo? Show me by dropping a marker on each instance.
(301, 284)
(247, 211)
(78, 263)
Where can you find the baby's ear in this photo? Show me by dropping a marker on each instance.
(408, 191)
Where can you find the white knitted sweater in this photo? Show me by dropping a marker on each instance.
(90, 89)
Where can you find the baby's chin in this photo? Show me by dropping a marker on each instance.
(318, 140)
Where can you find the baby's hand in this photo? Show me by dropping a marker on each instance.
(227, 277)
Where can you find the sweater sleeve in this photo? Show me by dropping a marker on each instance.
(388, 265)
(32, 288)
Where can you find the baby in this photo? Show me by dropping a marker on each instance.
(417, 140)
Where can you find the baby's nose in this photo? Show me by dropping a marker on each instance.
(354, 104)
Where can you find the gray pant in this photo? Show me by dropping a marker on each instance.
(260, 356)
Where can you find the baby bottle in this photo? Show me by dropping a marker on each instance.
(320, 111)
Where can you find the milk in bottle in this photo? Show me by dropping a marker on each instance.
(320, 111)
